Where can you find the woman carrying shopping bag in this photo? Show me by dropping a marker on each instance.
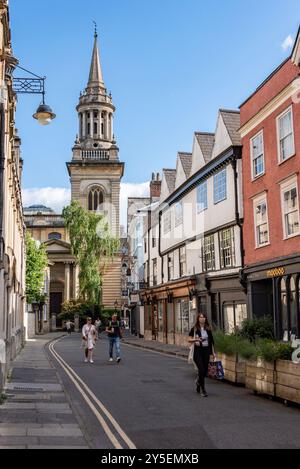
(202, 347)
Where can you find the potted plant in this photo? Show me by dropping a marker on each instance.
(233, 351)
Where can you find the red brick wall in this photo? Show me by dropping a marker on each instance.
(266, 93)
(274, 173)
(155, 189)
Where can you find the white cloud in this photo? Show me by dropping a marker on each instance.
(287, 43)
(58, 198)
(55, 198)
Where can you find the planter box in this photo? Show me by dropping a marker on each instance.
(234, 368)
(287, 385)
(260, 377)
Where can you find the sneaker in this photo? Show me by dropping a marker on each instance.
(204, 393)
(118, 359)
(111, 359)
(91, 361)
(86, 360)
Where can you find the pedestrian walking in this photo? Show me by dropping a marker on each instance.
(98, 325)
(115, 331)
(69, 325)
(89, 336)
(202, 340)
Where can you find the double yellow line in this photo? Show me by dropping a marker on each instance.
(97, 407)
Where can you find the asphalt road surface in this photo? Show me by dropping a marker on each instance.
(149, 401)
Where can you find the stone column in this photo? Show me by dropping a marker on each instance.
(67, 282)
(106, 125)
(111, 126)
(84, 126)
(92, 124)
(75, 282)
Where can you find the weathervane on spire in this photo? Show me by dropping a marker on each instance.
(96, 31)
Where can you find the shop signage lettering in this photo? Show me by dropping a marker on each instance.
(279, 272)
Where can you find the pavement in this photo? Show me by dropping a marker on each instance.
(37, 413)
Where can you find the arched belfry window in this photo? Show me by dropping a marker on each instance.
(96, 199)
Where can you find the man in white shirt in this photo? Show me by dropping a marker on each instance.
(89, 336)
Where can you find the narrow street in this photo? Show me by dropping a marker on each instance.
(151, 400)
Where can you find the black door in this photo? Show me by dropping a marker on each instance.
(56, 300)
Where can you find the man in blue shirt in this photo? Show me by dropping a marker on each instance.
(114, 330)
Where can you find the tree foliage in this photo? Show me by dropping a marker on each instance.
(36, 263)
(93, 247)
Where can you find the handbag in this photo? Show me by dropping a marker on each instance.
(215, 370)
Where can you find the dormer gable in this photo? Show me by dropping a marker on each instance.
(168, 183)
(202, 150)
(227, 131)
(183, 168)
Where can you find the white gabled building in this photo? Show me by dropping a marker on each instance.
(196, 261)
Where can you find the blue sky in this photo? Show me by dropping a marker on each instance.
(170, 65)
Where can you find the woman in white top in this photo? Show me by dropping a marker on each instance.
(202, 338)
(89, 335)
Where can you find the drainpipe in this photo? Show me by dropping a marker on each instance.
(237, 155)
(2, 165)
(159, 248)
(149, 244)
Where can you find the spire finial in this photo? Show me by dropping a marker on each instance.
(96, 29)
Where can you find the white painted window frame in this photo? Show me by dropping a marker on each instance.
(287, 185)
(226, 186)
(282, 114)
(256, 176)
(257, 201)
(178, 219)
(199, 208)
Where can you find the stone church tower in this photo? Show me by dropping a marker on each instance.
(95, 170)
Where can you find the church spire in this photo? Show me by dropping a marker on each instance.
(96, 77)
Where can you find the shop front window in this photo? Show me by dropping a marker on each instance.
(178, 316)
(160, 316)
(234, 314)
(240, 314)
(229, 318)
(284, 311)
(170, 318)
(182, 313)
(293, 307)
(185, 316)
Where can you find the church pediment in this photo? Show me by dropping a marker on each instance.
(57, 246)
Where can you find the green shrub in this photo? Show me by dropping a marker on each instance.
(264, 348)
(247, 350)
(285, 351)
(271, 350)
(267, 350)
(257, 328)
(226, 343)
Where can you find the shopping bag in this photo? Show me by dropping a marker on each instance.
(191, 355)
(215, 370)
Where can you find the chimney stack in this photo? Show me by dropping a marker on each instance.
(155, 186)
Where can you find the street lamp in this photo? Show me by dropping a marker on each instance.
(44, 114)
